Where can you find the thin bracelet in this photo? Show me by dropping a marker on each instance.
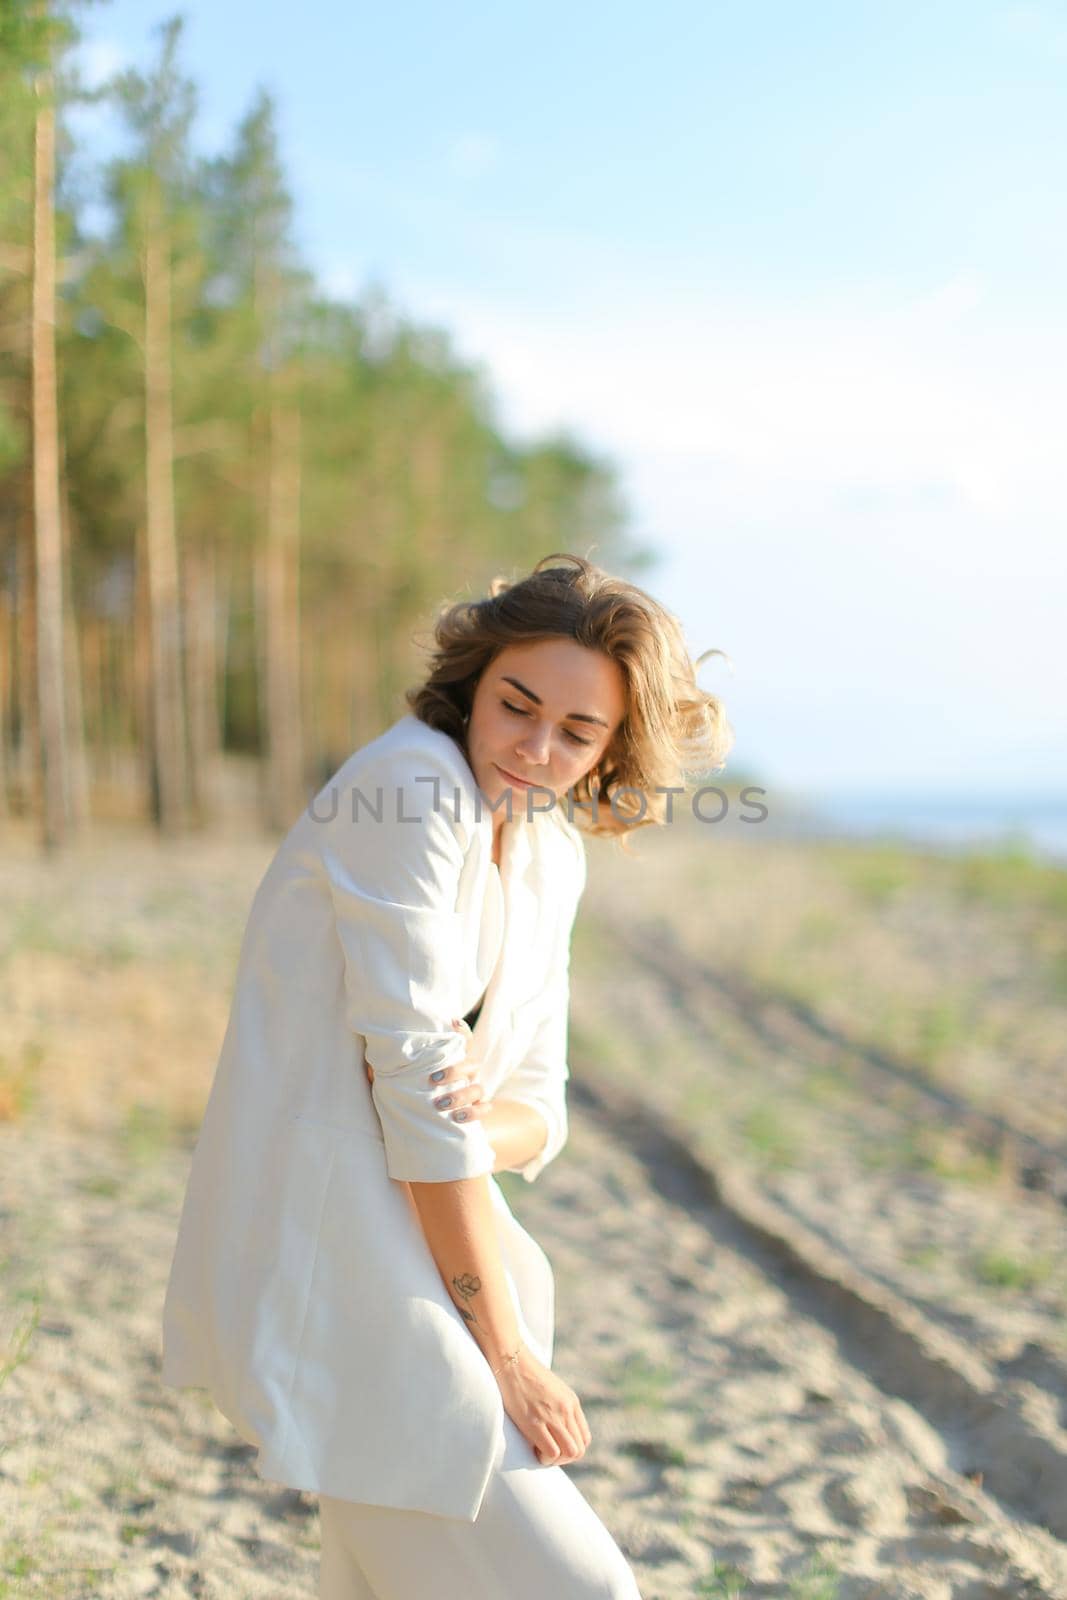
(506, 1359)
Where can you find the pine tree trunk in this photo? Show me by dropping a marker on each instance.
(7, 632)
(168, 708)
(26, 765)
(285, 785)
(202, 670)
(224, 587)
(143, 697)
(77, 755)
(48, 553)
(92, 631)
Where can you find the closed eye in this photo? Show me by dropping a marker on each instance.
(519, 712)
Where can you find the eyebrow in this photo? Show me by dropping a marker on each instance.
(572, 716)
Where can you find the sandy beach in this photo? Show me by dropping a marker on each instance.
(817, 1329)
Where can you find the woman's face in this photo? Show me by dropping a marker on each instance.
(544, 712)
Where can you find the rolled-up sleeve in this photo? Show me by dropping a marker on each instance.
(393, 883)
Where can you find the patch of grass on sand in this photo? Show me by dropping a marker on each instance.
(767, 1136)
(49, 1581)
(593, 949)
(941, 1028)
(998, 1268)
(118, 951)
(723, 1582)
(656, 1451)
(163, 902)
(923, 1256)
(699, 1100)
(1008, 875)
(18, 1349)
(1054, 970)
(819, 927)
(31, 929)
(875, 872)
(145, 1133)
(944, 1152)
(821, 1581)
(829, 1085)
(597, 1042)
(644, 1383)
(124, 1484)
(782, 973)
(17, 1563)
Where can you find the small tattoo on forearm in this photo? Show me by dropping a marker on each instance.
(467, 1285)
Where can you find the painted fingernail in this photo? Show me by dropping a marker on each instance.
(435, 1077)
(443, 1104)
(459, 1116)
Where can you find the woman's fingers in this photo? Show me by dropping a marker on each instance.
(560, 1448)
(462, 1101)
(457, 1089)
(573, 1445)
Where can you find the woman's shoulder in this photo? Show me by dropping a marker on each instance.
(404, 774)
(409, 749)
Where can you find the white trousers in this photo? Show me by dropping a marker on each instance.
(535, 1536)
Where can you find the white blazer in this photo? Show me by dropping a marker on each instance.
(303, 1294)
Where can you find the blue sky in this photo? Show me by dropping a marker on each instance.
(798, 270)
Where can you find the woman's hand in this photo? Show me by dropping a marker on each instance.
(546, 1411)
(458, 1086)
(457, 1090)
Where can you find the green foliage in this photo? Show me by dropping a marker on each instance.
(32, 35)
(768, 1135)
(877, 872)
(1000, 1268)
(723, 1582)
(644, 1383)
(1009, 875)
(405, 478)
(820, 1581)
(19, 1348)
(145, 1134)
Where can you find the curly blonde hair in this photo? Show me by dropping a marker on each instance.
(671, 728)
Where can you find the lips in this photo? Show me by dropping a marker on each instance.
(522, 783)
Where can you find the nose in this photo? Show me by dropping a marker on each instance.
(535, 747)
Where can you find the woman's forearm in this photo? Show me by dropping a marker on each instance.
(457, 1219)
(516, 1132)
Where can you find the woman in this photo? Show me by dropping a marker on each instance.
(348, 1280)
